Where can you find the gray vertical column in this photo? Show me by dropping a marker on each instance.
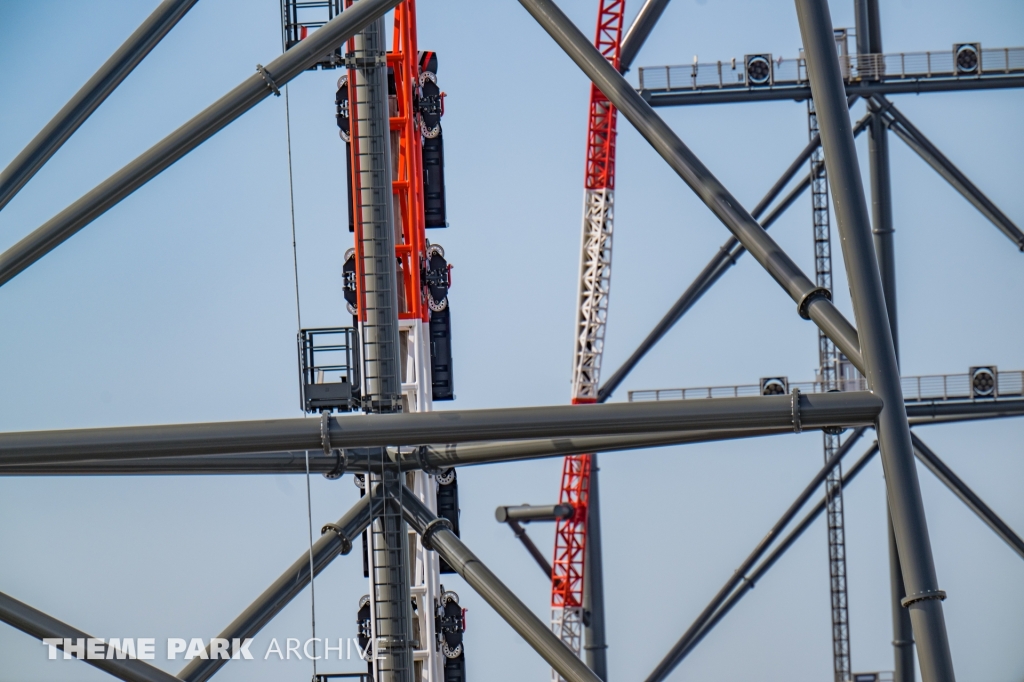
(924, 598)
(391, 614)
(595, 644)
(869, 41)
(371, 158)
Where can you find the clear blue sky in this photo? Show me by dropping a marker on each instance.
(178, 306)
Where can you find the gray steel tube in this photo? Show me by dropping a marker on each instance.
(672, 658)
(726, 257)
(533, 512)
(924, 598)
(469, 454)
(812, 302)
(667, 665)
(921, 414)
(244, 97)
(438, 536)
(799, 93)
(756, 412)
(967, 496)
(375, 222)
(357, 459)
(595, 642)
(336, 539)
(869, 41)
(537, 555)
(639, 31)
(916, 140)
(881, 217)
(41, 626)
(90, 96)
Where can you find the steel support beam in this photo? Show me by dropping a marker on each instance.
(799, 93)
(336, 539)
(360, 460)
(664, 669)
(811, 411)
(916, 140)
(967, 496)
(90, 96)
(595, 641)
(722, 261)
(537, 555)
(869, 41)
(41, 626)
(466, 454)
(531, 512)
(437, 535)
(674, 655)
(202, 127)
(812, 302)
(639, 31)
(924, 598)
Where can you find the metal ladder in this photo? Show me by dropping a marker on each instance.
(829, 359)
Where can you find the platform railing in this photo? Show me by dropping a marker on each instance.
(933, 387)
(793, 71)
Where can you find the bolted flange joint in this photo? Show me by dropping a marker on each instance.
(346, 544)
(432, 528)
(794, 406)
(921, 596)
(805, 302)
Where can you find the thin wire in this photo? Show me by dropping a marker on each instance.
(298, 317)
(291, 196)
(312, 591)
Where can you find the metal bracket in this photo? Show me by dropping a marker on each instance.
(269, 81)
(921, 596)
(794, 401)
(346, 544)
(421, 458)
(354, 62)
(340, 465)
(432, 528)
(325, 432)
(801, 307)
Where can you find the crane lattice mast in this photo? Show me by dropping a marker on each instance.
(591, 316)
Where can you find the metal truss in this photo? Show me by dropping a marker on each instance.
(594, 290)
(864, 75)
(386, 445)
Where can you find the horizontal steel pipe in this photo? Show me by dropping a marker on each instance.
(335, 539)
(41, 626)
(159, 157)
(803, 92)
(533, 512)
(439, 537)
(134, 442)
(468, 454)
(812, 302)
(944, 412)
(359, 460)
(46, 143)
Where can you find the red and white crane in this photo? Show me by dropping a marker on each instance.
(591, 316)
